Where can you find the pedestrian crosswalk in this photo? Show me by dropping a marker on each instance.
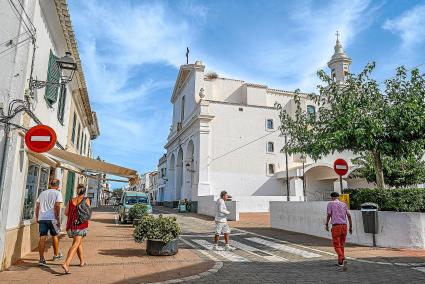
(283, 247)
(256, 251)
(250, 248)
(226, 254)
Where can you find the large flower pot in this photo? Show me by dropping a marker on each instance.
(158, 247)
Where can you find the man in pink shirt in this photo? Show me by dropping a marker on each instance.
(337, 213)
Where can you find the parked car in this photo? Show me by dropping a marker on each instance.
(130, 198)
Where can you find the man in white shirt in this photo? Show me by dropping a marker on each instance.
(47, 214)
(221, 225)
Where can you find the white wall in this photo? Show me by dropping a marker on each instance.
(397, 229)
(256, 203)
(207, 206)
(237, 164)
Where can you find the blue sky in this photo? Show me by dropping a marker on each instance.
(131, 52)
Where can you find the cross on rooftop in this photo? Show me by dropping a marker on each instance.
(337, 34)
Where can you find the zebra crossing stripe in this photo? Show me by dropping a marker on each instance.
(226, 254)
(421, 269)
(269, 257)
(284, 248)
(203, 252)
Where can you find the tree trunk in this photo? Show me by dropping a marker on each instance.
(379, 173)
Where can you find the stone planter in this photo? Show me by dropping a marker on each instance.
(136, 222)
(158, 247)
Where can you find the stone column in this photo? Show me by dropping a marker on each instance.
(203, 150)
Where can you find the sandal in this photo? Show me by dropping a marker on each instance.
(83, 264)
(66, 271)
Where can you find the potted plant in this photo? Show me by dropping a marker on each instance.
(161, 234)
(137, 212)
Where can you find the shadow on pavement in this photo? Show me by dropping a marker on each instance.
(103, 220)
(170, 273)
(123, 252)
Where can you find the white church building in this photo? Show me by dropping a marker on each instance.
(224, 136)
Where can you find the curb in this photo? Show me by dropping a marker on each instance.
(217, 266)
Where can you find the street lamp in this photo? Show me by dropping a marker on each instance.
(67, 67)
(303, 159)
(286, 164)
(188, 167)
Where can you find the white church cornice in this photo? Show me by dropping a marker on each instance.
(241, 105)
(185, 72)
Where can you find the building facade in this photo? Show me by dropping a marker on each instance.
(38, 33)
(224, 136)
(162, 179)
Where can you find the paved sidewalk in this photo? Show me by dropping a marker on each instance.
(112, 256)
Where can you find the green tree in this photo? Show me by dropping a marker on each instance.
(117, 193)
(398, 172)
(358, 116)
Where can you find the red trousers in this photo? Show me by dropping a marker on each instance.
(339, 234)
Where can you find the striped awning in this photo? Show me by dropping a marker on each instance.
(90, 165)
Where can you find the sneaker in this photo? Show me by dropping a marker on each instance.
(229, 248)
(344, 265)
(42, 262)
(57, 257)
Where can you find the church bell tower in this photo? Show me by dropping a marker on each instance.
(339, 63)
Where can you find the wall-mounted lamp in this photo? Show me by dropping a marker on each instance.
(189, 167)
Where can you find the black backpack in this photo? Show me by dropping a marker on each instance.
(83, 212)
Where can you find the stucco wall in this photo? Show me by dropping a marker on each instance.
(207, 206)
(239, 163)
(256, 203)
(397, 229)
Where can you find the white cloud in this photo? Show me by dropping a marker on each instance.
(410, 26)
(115, 39)
(291, 60)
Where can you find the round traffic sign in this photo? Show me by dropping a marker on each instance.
(40, 138)
(341, 167)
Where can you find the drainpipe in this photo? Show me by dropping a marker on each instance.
(3, 162)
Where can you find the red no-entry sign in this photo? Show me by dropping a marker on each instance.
(341, 167)
(40, 138)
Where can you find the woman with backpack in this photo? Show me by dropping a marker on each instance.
(78, 212)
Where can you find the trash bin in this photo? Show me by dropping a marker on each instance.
(370, 217)
(182, 207)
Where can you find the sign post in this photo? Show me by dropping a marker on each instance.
(341, 169)
(40, 138)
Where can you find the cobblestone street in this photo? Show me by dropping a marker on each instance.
(265, 255)
(262, 255)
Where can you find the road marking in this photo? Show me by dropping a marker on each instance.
(421, 269)
(285, 248)
(286, 242)
(207, 235)
(200, 250)
(226, 254)
(41, 138)
(252, 250)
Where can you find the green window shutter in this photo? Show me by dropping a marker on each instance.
(53, 76)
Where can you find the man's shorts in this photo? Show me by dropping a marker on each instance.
(221, 227)
(46, 226)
